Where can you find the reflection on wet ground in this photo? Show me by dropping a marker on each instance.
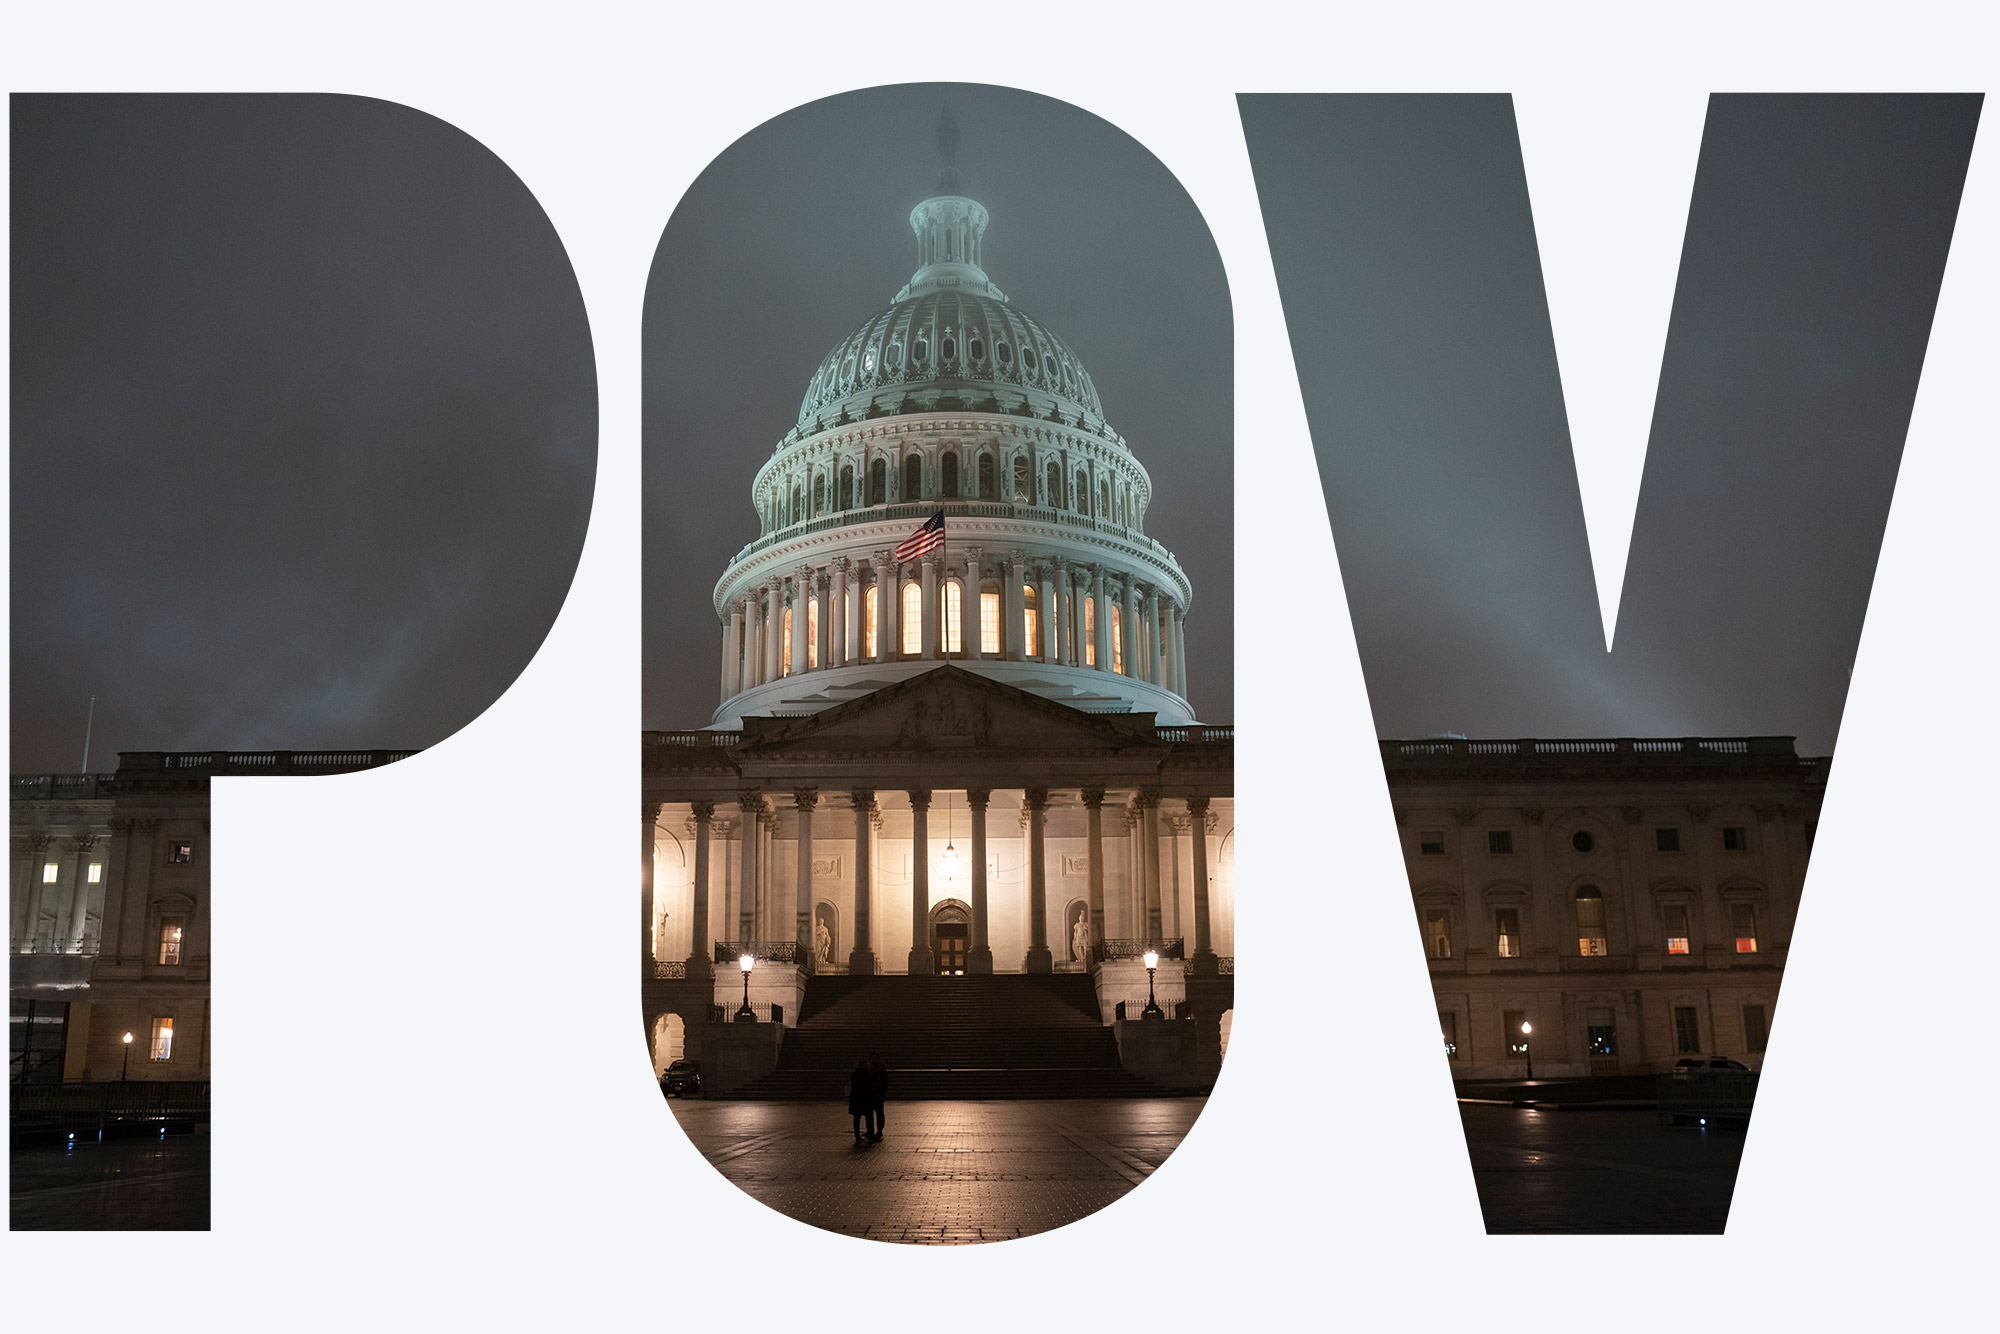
(146, 1184)
(1598, 1171)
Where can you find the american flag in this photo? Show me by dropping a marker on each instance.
(929, 536)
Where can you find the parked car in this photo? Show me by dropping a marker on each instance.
(682, 1077)
(1709, 1063)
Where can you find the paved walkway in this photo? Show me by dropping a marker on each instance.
(945, 1173)
(140, 1184)
(1598, 1171)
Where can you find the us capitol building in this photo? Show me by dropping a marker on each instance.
(967, 762)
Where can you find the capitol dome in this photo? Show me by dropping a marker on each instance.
(951, 400)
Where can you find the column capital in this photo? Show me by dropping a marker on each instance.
(1148, 798)
(83, 843)
(751, 803)
(1093, 797)
(843, 564)
(1037, 798)
(864, 799)
(1197, 805)
(976, 798)
(704, 811)
(652, 811)
(805, 798)
(920, 798)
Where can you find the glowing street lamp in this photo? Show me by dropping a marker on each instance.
(1152, 1010)
(126, 1068)
(1526, 1049)
(744, 1014)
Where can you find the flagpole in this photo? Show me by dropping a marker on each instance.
(944, 628)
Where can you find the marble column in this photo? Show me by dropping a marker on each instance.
(1065, 641)
(701, 949)
(1101, 616)
(805, 799)
(1149, 858)
(729, 655)
(931, 635)
(1128, 628)
(969, 607)
(753, 644)
(1011, 618)
(1093, 803)
(79, 901)
(752, 804)
(774, 626)
(38, 846)
(1051, 616)
(1202, 963)
(1039, 959)
(921, 963)
(889, 608)
(1155, 640)
(980, 960)
(649, 819)
(861, 959)
(850, 606)
(802, 583)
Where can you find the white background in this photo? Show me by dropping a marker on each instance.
(434, 1106)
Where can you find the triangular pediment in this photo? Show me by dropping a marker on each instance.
(949, 708)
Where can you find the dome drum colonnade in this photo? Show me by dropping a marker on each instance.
(1067, 584)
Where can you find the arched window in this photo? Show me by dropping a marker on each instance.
(819, 496)
(871, 642)
(1104, 499)
(798, 502)
(785, 646)
(1590, 921)
(954, 618)
(989, 619)
(988, 488)
(950, 470)
(847, 487)
(1117, 639)
(1022, 495)
(1055, 497)
(1031, 606)
(913, 618)
(913, 477)
(812, 634)
(878, 482)
(1089, 629)
(1082, 492)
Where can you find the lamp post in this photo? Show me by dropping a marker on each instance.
(126, 1068)
(744, 1014)
(1527, 1049)
(1152, 1010)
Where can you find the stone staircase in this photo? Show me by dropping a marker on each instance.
(1008, 1036)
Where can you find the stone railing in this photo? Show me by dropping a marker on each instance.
(1107, 950)
(665, 970)
(729, 952)
(214, 762)
(1618, 750)
(1198, 735)
(695, 739)
(61, 787)
(962, 508)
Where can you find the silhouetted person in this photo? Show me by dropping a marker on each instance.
(878, 1084)
(861, 1099)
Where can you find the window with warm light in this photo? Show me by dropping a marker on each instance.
(96, 876)
(49, 873)
(868, 618)
(1600, 1031)
(1507, 932)
(1437, 932)
(1117, 639)
(170, 940)
(1090, 632)
(954, 618)
(1687, 1030)
(785, 646)
(812, 634)
(1510, 1025)
(1677, 928)
(1031, 612)
(1590, 938)
(989, 623)
(180, 852)
(913, 618)
(162, 1048)
(1743, 926)
(1448, 1025)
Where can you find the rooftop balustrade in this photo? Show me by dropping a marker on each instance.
(1529, 752)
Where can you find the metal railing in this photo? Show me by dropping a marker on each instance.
(729, 952)
(1107, 950)
(666, 969)
(52, 942)
(765, 1012)
(92, 1108)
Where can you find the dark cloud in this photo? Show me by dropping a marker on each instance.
(1406, 257)
(800, 231)
(304, 424)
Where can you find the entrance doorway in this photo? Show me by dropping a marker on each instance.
(951, 937)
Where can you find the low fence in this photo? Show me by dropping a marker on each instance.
(1698, 1096)
(768, 1012)
(92, 1109)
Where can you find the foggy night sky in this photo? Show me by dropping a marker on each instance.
(1405, 251)
(800, 231)
(304, 425)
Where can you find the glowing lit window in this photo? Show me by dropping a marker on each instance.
(1032, 620)
(180, 852)
(170, 940)
(812, 634)
(869, 642)
(1677, 928)
(785, 646)
(49, 873)
(1507, 932)
(1430, 843)
(913, 618)
(989, 623)
(1743, 926)
(954, 618)
(1600, 1031)
(1510, 1024)
(1090, 632)
(1437, 932)
(1117, 639)
(1590, 922)
(96, 873)
(162, 1048)
(1448, 1025)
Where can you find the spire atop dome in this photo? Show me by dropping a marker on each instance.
(950, 229)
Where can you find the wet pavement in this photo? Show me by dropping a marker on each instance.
(944, 1173)
(144, 1184)
(1598, 1171)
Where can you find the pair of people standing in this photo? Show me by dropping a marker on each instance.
(867, 1091)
